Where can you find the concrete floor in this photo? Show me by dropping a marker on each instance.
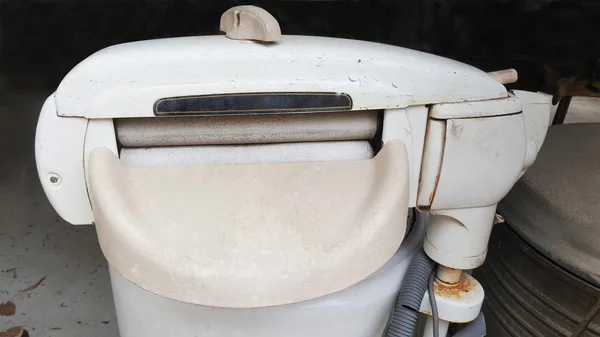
(581, 110)
(51, 273)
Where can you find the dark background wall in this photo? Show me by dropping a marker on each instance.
(40, 41)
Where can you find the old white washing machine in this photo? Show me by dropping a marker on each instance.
(254, 184)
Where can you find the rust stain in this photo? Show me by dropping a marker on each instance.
(456, 291)
(37, 284)
(16, 331)
(441, 161)
(437, 180)
(8, 309)
(427, 144)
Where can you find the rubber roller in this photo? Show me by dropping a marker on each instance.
(246, 129)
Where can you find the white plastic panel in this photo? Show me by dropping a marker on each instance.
(126, 80)
(409, 126)
(100, 133)
(458, 238)
(483, 158)
(494, 107)
(536, 112)
(59, 158)
(237, 154)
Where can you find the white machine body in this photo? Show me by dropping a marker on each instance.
(460, 137)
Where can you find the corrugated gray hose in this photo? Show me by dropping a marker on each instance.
(411, 294)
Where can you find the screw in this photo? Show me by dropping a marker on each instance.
(54, 179)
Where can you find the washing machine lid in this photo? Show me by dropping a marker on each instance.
(129, 80)
(250, 235)
(554, 206)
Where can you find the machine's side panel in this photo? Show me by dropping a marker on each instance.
(469, 164)
(480, 152)
(536, 112)
(59, 145)
(408, 125)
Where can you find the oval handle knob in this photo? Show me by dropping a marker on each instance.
(250, 23)
(505, 76)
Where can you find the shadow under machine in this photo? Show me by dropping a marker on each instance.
(254, 184)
